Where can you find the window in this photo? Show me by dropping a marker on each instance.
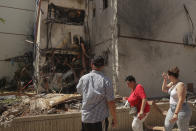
(57, 14)
(105, 4)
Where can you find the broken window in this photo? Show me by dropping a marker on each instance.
(63, 15)
(105, 4)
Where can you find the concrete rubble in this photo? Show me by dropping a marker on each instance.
(22, 76)
(44, 104)
(24, 106)
(38, 105)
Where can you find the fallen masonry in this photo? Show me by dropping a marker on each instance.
(39, 104)
(15, 107)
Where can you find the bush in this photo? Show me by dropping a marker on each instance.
(2, 20)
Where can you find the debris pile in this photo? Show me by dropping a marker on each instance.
(42, 104)
(37, 105)
(23, 76)
(61, 69)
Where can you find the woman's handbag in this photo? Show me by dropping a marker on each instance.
(133, 111)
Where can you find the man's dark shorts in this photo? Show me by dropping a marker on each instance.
(95, 126)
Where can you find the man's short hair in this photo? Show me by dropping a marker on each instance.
(130, 78)
(98, 61)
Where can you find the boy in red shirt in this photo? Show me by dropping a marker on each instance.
(138, 100)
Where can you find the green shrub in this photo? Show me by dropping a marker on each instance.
(2, 20)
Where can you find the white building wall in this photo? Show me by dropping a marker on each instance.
(103, 30)
(163, 25)
(19, 19)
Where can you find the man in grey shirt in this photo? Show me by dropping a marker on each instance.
(98, 98)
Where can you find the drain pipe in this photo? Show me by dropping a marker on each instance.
(37, 22)
(37, 51)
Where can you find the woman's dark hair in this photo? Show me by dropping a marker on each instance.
(98, 61)
(130, 78)
(174, 72)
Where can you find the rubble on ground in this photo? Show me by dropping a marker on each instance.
(38, 105)
(13, 106)
(42, 104)
(23, 76)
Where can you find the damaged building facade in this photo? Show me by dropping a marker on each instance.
(62, 45)
(141, 38)
(144, 39)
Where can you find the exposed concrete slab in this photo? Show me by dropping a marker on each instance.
(76, 4)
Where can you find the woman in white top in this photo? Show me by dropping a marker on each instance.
(179, 111)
